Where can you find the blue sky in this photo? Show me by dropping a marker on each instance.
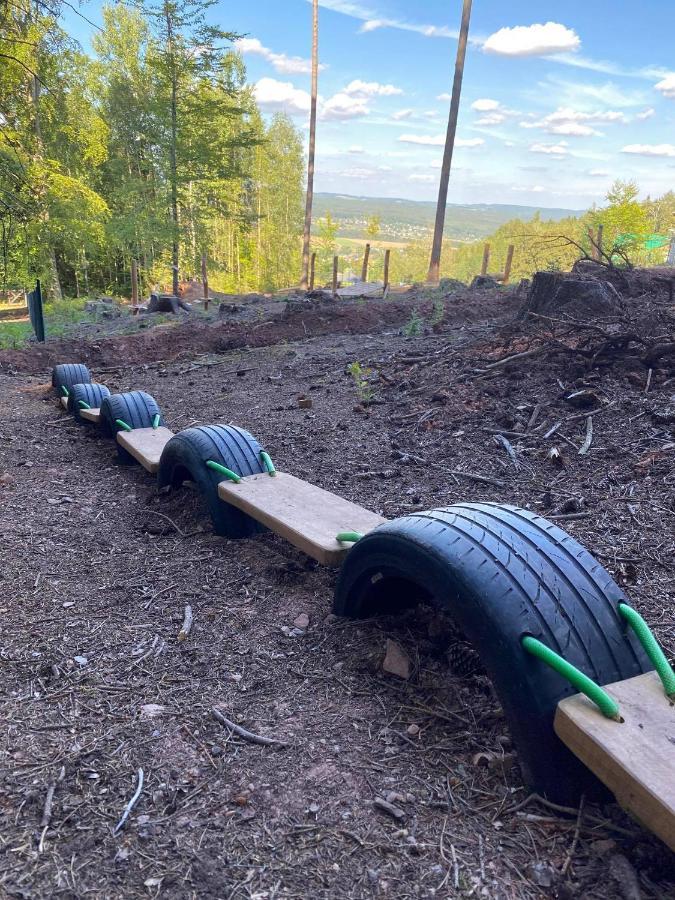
(558, 99)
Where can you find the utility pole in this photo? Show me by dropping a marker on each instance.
(307, 231)
(437, 246)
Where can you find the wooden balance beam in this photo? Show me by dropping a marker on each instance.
(64, 402)
(145, 445)
(91, 415)
(305, 515)
(635, 758)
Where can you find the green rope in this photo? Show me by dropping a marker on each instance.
(651, 647)
(228, 473)
(123, 424)
(267, 462)
(348, 537)
(83, 404)
(65, 391)
(155, 420)
(608, 706)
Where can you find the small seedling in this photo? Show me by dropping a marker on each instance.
(414, 326)
(360, 376)
(439, 312)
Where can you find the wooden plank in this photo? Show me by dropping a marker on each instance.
(145, 445)
(91, 415)
(306, 515)
(634, 758)
(64, 402)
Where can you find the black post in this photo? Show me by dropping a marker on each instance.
(35, 312)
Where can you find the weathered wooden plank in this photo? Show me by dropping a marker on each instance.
(635, 758)
(145, 445)
(306, 515)
(91, 415)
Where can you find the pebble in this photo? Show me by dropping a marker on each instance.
(396, 660)
(302, 621)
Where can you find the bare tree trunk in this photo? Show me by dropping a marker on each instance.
(307, 231)
(54, 282)
(173, 152)
(437, 246)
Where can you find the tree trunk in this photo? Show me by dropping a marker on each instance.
(307, 231)
(437, 246)
(173, 151)
(54, 282)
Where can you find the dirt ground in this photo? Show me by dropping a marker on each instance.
(98, 567)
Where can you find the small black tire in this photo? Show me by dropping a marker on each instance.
(184, 459)
(502, 573)
(68, 374)
(91, 394)
(136, 408)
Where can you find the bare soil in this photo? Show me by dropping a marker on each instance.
(98, 567)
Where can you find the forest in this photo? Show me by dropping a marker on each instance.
(150, 149)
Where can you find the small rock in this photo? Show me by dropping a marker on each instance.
(305, 402)
(413, 730)
(542, 873)
(603, 847)
(302, 621)
(396, 660)
(152, 710)
(81, 660)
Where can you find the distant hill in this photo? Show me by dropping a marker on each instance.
(406, 220)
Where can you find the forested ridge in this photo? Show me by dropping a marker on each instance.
(152, 148)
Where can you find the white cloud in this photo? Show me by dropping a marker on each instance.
(355, 148)
(645, 114)
(491, 119)
(556, 150)
(532, 40)
(572, 122)
(580, 94)
(598, 173)
(438, 140)
(650, 149)
(536, 189)
(446, 98)
(403, 114)
(287, 65)
(667, 86)
(365, 89)
(421, 177)
(344, 106)
(485, 105)
(274, 95)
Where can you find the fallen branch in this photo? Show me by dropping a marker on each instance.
(483, 479)
(243, 733)
(156, 512)
(509, 449)
(586, 446)
(526, 354)
(130, 805)
(47, 809)
(186, 627)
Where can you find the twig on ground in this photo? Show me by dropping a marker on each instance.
(156, 512)
(47, 809)
(243, 733)
(130, 805)
(575, 839)
(509, 449)
(483, 479)
(586, 446)
(186, 627)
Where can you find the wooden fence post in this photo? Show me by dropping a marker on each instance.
(486, 260)
(335, 276)
(205, 281)
(364, 268)
(312, 270)
(387, 254)
(134, 283)
(509, 263)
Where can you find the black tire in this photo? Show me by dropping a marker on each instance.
(136, 408)
(69, 374)
(92, 394)
(184, 459)
(501, 573)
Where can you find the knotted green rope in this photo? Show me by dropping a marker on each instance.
(608, 706)
(228, 473)
(651, 647)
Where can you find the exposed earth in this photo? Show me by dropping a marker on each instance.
(98, 568)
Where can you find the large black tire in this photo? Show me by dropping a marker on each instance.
(501, 573)
(136, 408)
(69, 374)
(92, 394)
(184, 459)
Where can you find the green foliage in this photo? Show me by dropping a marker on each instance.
(373, 227)
(360, 376)
(414, 325)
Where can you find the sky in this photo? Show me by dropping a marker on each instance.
(559, 98)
